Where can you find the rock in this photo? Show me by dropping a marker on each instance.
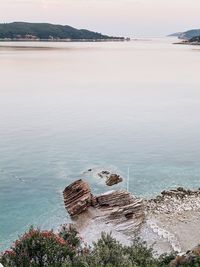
(124, 214)
(110, 178)
(179, 261)
(181, 189)
(100, 175)
(105, 172)
(113, 179)
(196, 251)
(115, 198)
(175, 201)
(119, 208)
(77, 197)
(124, 211)
(186, 259)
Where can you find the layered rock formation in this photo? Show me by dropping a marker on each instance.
(122, 210)
(169, 222)
(77, 197)
(118, 208)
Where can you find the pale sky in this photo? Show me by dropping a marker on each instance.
(117, 17)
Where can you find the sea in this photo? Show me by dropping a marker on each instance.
(132, 108)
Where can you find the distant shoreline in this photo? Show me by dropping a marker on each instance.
(187, 43)
(66, 40)
(46, 32)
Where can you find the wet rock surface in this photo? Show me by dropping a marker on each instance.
(113, 179)
(110, 178)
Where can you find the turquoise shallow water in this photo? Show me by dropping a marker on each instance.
(65, 108)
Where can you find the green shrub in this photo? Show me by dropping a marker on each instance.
(165, 259)
(70, 234)
(139, 254)
(38, 248)
(107, 251)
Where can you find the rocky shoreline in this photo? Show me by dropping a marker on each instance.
(174, 216)
(168, 222)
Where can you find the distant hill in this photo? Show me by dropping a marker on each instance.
(195, 39)
(187, 35)
(176, 34)
(46, 31)
(190, 34)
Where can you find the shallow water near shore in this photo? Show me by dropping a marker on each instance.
(69, 107)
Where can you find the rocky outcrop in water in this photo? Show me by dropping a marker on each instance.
(113, 179)
(77, 197)
(110, 178)
(118, 208)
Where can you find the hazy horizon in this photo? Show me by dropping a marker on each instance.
(119, 17)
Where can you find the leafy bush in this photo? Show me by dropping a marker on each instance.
(107, 251)
(70, 235)
(139, 254)
(39, 248)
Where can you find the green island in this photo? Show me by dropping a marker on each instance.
(191, 37)
(24, 31)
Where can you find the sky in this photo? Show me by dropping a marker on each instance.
(128, 18)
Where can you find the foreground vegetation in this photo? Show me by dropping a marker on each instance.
(38, 248)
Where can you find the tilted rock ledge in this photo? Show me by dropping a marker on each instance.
(117, 208)
(169, 222)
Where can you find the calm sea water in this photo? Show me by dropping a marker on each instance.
(68, 107)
